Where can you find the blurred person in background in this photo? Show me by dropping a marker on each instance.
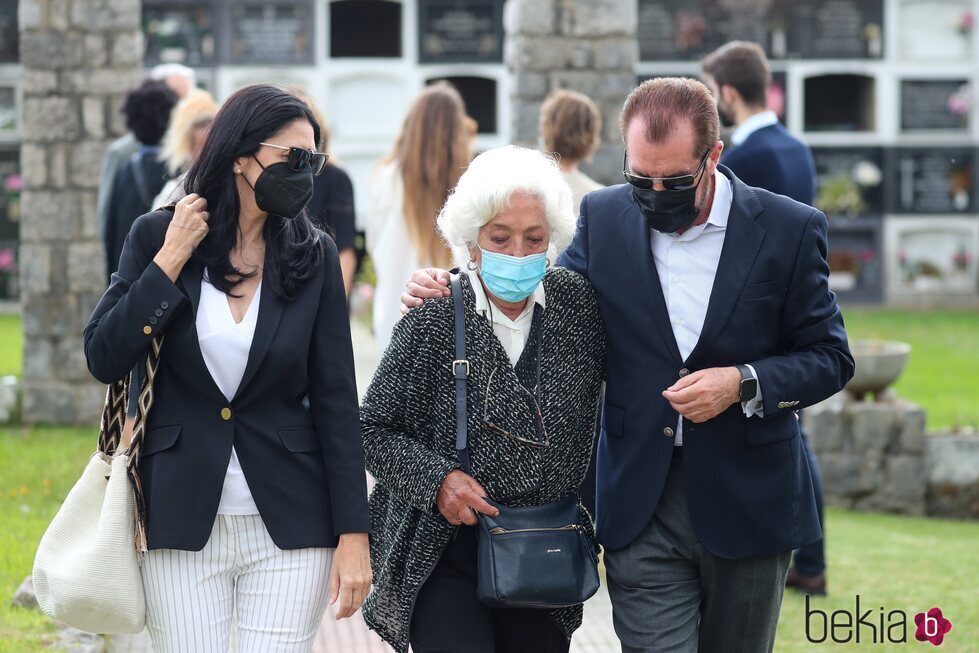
(332, 206)
(765, 155)
(181, 80)
(139, 178)
(571, 129)
(182, 143)
(409, 189)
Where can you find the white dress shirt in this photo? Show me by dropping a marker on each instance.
(225, 345)
(751, 125)
(512, 334)
(687, 264)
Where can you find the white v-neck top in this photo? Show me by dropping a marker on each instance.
(225, 345)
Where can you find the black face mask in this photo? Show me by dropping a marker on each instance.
(668, 211)
(281, 191)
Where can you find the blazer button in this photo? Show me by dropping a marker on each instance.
(164, 305)
(147, 330)
(225, 413)
(158, 312)
(153, 320)
(668, 432)
(684, 372)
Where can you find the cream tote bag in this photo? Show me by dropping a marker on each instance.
(86, 571)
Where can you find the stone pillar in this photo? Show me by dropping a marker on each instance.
(78, 59)
(587, 46)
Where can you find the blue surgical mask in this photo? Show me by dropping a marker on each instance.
(512, 278)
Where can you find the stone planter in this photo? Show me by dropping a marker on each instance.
(879, 363)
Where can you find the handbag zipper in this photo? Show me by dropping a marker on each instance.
(499, 530)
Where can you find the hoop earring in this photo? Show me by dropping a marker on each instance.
(471, 265)
(548, 264)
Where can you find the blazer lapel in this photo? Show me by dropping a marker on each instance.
(269, 312)
(639, 243)
(742, 240)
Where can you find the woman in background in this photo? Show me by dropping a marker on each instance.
(182, 143)
(432, 150)
(571, 130)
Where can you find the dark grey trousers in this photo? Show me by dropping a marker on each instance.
(670, 594)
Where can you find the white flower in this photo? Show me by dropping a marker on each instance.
(867, 174)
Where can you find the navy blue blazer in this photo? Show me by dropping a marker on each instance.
(773, 159)
(294, 420)
(748, 485)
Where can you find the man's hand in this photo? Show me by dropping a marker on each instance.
(460, 497)
(705, 394)
(427, 283)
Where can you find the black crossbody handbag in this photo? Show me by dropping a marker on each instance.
(527, 557)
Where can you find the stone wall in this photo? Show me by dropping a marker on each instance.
(583, 45)
(78, 58)
(876, 457)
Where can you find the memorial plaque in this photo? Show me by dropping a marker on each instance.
(181, 34)
(836, 29)
(460, 31)
(932, 255)
(855, 262)
(842, 103)
(935, 30)
(849, 181)
(8, 108)
(365, 29)
(935, 104)
(932, 180)
(671, 31)
(9, 36)
(271, 33)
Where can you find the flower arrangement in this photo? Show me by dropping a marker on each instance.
(966, 22)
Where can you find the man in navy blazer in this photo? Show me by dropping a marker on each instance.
(720, 326)
(765, 155)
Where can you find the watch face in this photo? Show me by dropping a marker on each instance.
(749, 388)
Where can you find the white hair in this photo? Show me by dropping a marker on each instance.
(165, 70)
(485, 189)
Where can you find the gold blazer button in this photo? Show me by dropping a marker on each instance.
(226, 413)
(147, 330)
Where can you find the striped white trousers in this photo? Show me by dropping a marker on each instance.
(277, 596)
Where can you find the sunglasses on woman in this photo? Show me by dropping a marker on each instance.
(683, 182)
(300, 158)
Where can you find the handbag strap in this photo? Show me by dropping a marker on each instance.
(460, 371)
(461, 368)
(114, 420)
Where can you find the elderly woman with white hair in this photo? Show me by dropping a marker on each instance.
(535, 345)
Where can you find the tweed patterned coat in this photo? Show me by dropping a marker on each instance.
(408, 421)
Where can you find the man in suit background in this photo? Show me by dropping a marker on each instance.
(720, 325)
(767, 156)
(764, 153)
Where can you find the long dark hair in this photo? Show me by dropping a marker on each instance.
(293, 247)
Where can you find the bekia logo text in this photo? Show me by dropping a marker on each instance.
(873, 626)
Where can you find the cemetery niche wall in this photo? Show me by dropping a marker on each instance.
(884, 93)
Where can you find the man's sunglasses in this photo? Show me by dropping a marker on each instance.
(683, 182)
(300, 158)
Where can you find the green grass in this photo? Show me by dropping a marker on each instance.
(904, 563)
(942, 370)
(11, 345)
(37, 468)
(900, 563)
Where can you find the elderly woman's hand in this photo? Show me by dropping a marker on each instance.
(428, 283)
(460, 497)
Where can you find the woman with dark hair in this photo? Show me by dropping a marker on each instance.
(252, 465)
(140, 177)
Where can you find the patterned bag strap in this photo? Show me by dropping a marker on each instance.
(460, 371)
(113, 421)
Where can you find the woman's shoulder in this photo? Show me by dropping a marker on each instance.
(152, 227)
(567, 283)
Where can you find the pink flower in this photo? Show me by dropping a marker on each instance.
(14, 183)
(7, 260)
